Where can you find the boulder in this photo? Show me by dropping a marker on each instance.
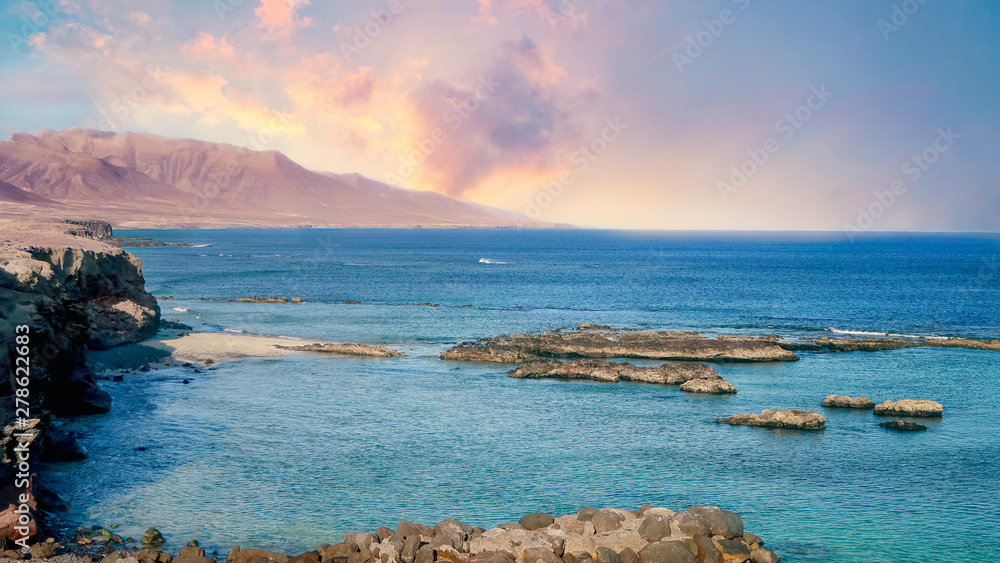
(536, 520)
(251, 555)
(708, 552)
(654, 528)
(688, 524)
(449, 554)
(540, 555)
(761, 555)
(628, 555)
(721, 522)
(492, 557)
(606, 555)
(153, 537)
(788, 418)
(586, 514)
(452, 524)
(902, 425)
(197, 555)
(733, 551)
(43, 550)
(844, 402)
(605, 522)
(709, 386)
(407, 529)
(409, 551)
(667, 552)
(910, 407)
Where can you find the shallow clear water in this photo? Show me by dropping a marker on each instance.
(290, 453)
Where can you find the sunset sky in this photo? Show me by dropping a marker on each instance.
(665, 114)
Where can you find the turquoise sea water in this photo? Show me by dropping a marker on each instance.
(292, 452)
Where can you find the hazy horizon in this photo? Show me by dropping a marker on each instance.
(728, 115)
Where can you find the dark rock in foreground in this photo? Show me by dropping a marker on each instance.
(789, 418)
(901, 425)
(910, 407)
(671, 345)
(365, 350)
(844, 402)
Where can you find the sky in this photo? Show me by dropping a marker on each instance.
(853, 115)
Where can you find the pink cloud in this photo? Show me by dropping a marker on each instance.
(279, 18)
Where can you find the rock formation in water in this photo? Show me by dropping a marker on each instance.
(788, 418)
(910, 407)
(671, 345)
(844, 402)
(903, 426)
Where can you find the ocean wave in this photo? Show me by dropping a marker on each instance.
(233, 330)
(490, 261)
(201, 246)
(180, 309)
(884, 334)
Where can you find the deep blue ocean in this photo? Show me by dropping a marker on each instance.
(289, 453)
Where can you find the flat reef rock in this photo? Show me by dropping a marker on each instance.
(670, 373)
(670, 345)
(828, 344)
(910, 407)
(788, 418)
(365, 350)
(717, 386)
(844, 402)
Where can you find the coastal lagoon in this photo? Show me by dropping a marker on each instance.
(292, 452)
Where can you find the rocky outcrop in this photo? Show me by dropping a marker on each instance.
(72, 294)
(609, 535)
(844, 402)
(903, 426)
(910, 407)
(829, 344)
(365, 350)
(716, 386)
(670, 373)
(670, 345)
(788, 418)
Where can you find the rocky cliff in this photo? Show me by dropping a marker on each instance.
(72, 293)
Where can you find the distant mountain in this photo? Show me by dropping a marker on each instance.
(142, 180)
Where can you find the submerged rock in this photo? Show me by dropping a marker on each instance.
(365, 350)
(844, 402)
(910, 407)
(788, 418)
(901, 425)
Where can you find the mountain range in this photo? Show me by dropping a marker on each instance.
(139, 180)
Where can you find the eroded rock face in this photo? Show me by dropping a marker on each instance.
(789, 418)
(844, 402)
(670, 345)
(910, 407)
